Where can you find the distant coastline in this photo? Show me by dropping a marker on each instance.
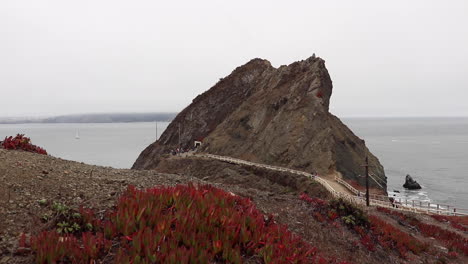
(92, 118)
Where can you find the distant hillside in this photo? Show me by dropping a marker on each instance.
(95, 118)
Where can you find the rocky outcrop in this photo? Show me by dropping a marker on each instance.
(411, 184)
(270, 115)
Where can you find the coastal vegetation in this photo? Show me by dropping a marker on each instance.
(181, 224)
(58, 211)
(20, 142)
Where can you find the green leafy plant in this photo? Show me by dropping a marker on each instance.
(65, 228)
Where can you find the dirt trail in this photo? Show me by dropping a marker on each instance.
(337, 186)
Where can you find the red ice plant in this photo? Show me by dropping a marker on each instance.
(391, 237)
(182, 224)
(458, 222)
(371, 230)
(20, 142)
(451, 239)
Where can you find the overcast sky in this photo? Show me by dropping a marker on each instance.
(386, 58)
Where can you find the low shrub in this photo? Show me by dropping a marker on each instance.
(20, 142)
(349, 214)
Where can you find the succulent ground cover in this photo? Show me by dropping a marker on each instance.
(42, 193)
(20, 142)
(455, 243)
(182, 224)
(371, 229)
(458, 222)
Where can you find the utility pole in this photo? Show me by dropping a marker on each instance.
(367, 181)
(179, 135)
(367, 176)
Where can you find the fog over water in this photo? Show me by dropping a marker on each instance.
(386, 58)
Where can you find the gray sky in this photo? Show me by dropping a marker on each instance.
(386, 58)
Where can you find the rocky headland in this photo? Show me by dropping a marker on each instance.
(278, 116)
(62, 210)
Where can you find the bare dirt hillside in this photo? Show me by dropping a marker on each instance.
(31, 183)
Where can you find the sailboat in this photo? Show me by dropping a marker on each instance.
(77, 136)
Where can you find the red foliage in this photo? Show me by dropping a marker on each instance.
(322, 212)
(451, 239)
(356, 185)
(397, 214)
(20, 142)
(452, 255)
(458, 222)
(391, 237)
(182, 224)
(313, 200)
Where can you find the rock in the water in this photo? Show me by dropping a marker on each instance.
(411, 184)
(277, 116)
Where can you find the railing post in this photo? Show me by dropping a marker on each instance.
(413, 203)
(438, 212)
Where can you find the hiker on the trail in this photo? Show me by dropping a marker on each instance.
(392, 201)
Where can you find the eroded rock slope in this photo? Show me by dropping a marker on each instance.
(270, 115)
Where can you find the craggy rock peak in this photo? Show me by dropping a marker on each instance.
(268, 115)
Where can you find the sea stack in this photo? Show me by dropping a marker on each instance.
(410, 183)
(278, 116)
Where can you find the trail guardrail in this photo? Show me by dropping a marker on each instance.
(358, 197)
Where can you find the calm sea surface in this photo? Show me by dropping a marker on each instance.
(433, 150)
(116, 144)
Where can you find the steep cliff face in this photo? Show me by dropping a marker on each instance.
(274, 116)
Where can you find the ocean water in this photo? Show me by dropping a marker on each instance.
(432, 150)
(108, 144)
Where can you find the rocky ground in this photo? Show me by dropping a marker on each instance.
(30, 183)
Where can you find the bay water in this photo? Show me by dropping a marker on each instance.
(433, 151)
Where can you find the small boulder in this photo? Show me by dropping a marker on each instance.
(411, 184)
